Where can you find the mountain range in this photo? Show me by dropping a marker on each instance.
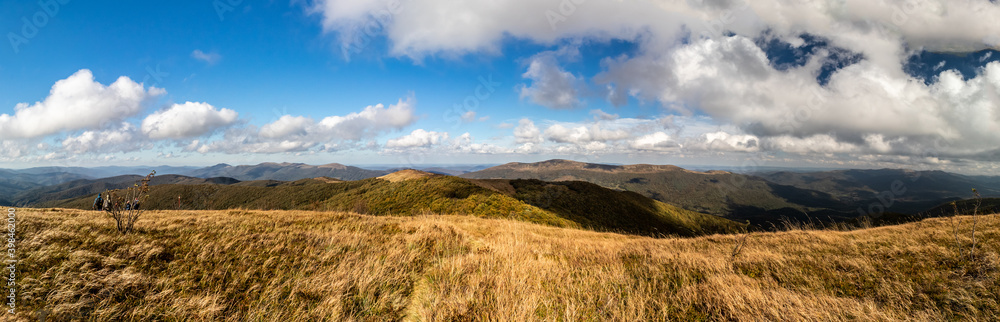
(737, 196)
(286, 171)
(412, 192)
(27, 186)
(762, 198)
(908, 191)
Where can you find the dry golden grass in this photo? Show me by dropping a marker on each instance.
(407, 174)
(295, 265)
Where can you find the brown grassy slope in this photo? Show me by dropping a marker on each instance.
(299, 265)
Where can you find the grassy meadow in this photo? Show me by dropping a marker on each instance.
(239, 265)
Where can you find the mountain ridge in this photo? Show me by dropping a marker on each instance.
(721, 193)
(285, 171)
(563, 204)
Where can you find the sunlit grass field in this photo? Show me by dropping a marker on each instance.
(241, 265)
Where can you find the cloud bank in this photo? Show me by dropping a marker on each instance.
(853, 95)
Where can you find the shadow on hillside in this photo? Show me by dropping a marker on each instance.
(600, 208)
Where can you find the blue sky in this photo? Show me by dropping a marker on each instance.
(626, 82)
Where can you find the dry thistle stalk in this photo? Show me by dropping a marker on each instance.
(955, 225)
(975, 209)
(740, 242)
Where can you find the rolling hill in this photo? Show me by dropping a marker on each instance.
(91, 187)
(866, 184)
(13, 182)
(731, 195)
(108, 171)
(964, 207)
(286, 172)
(410, 192)
(915, 191)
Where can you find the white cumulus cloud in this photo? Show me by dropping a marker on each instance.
(658, 141)
(125, 138)
(703, 58)
(372, 120)
(551, 86)
(286, 126)
(584, 134)
(418, 138)
(75, 103)
(187, 120)
(300, 133)
(527, 132)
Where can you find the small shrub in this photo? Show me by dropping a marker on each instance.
(125, 206)
(972, 260)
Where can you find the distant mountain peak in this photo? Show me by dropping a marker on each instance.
(554, 163)
(286, 171)
(332, 166)
(282, 164)
(561, 164)
(560, 161)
